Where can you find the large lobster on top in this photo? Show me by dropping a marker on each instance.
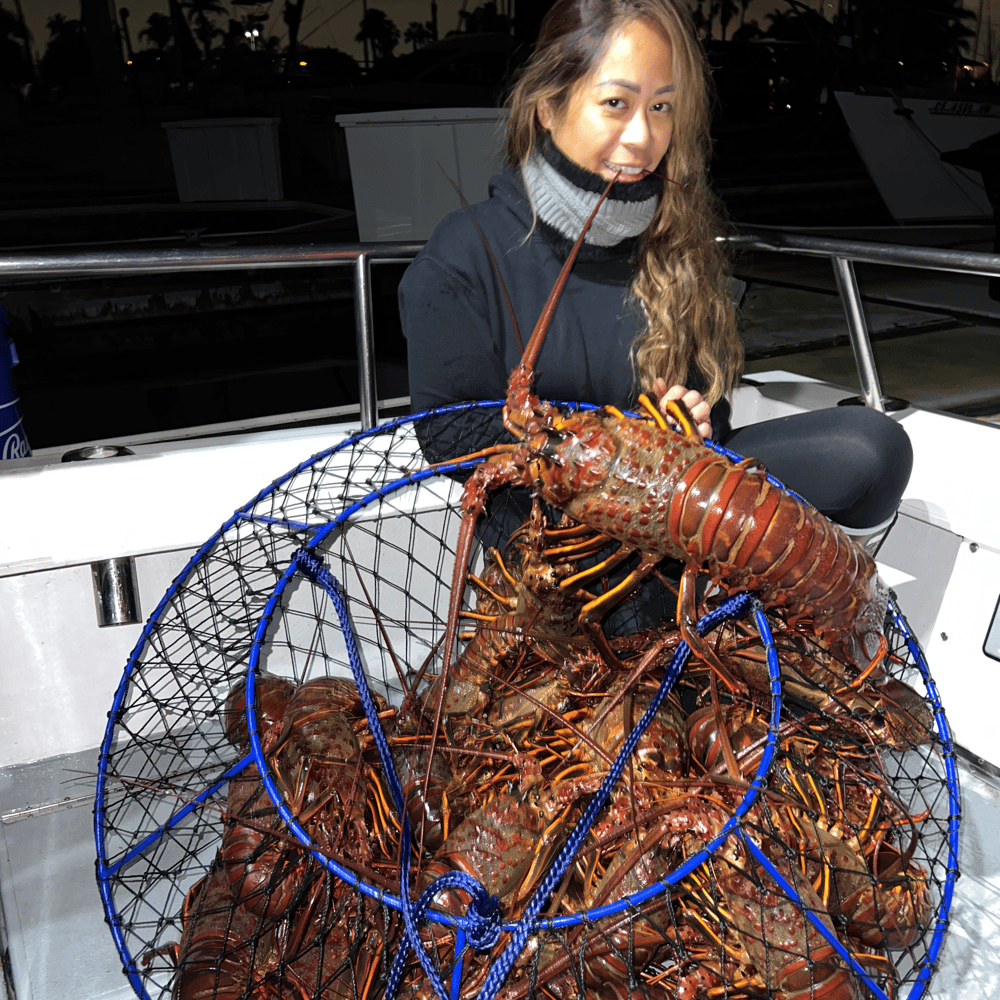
(660, 492)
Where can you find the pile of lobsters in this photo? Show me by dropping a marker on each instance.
(529, 720)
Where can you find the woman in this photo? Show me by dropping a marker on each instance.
(616, 89)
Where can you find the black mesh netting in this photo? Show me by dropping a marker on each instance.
(647, 827)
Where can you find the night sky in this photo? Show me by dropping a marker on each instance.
(335, 22)
(325, 22)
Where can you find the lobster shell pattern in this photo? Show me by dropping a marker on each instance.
(656, 491)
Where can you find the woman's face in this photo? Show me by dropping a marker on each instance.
(620, 117)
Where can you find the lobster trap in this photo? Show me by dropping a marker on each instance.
(286, 808)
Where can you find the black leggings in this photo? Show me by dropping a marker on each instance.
(851, 463)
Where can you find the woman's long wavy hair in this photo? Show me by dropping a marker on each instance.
(682, 270)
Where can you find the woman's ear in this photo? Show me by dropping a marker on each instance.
(545, 116)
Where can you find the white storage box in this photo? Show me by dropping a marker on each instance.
(226, 159)
(400, 191)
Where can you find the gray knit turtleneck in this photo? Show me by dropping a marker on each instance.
(566, 206)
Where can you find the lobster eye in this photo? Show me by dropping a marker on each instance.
(549, 448)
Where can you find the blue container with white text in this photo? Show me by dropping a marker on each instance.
(13, 442)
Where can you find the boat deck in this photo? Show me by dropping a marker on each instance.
(936, 337)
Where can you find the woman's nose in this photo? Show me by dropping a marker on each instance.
(636, 131)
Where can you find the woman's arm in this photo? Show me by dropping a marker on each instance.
(453, 355)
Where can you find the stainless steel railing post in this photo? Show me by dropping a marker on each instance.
(367, 394)
(857, 329)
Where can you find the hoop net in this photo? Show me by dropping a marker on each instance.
(273, 821)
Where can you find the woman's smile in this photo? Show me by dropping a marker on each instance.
(619, 120)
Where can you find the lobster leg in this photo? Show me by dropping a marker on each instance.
(680, 414)
(592, 613)
(687, 615)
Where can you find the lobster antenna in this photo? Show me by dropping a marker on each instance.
(464, 543)
(496, 267)
(531, 352)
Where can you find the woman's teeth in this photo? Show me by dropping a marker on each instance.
(624, 171)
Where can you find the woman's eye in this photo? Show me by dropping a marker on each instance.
(663, 106)
(615, 103)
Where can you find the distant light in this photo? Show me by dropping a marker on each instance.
(900, 62)
(789, 107)
(302, 62)
(128, 62)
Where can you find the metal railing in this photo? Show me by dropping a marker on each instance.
(360, 256)
(843, 255)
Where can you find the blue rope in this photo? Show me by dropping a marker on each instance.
(482, 924)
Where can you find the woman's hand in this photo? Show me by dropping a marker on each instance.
(700, 411)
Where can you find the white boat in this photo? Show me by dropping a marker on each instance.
(156, 506)
(900, 140)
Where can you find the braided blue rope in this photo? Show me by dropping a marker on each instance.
(734, 607)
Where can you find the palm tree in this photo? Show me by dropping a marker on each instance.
(204, 27)
(702, 20)
(744, 7)
(16, 63)
(159, 30)
(417, 34)
(66, 61)
(380, 31)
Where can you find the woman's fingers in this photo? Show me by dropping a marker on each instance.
(693, 400)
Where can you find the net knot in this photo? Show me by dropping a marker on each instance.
(483, 920)
(484, 923)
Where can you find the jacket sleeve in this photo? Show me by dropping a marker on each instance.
(453, 353)
(451, 340)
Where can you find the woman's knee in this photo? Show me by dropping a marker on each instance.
(876, 465)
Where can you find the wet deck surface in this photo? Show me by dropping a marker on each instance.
(936, 338)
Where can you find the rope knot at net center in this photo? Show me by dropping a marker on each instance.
(483, 923)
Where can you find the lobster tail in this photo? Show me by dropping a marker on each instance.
(751, 535)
